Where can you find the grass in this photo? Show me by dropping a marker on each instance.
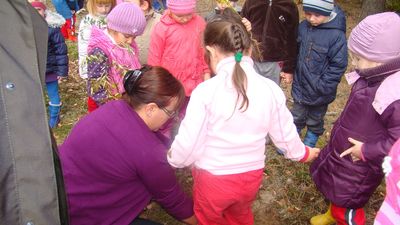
(287, 195)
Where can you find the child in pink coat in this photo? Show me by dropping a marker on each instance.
(112, 52)
(176, 44)
(389, 213)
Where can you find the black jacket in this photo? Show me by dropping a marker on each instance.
(276, 32)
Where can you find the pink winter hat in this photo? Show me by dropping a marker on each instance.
(127, 18)
(181, 6)
(377, 37)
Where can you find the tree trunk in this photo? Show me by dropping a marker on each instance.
(370, 7)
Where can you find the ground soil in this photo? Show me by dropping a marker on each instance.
(287, 195)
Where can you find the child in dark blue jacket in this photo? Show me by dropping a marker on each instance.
(321, 62)
(57, 60)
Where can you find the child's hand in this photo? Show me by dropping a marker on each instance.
(247, 24)
(354, 151)
(207, 76)
(286, 77)
(313, 154)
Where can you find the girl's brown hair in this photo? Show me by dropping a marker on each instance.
(231, 37)
(91, 4)
(152, 84)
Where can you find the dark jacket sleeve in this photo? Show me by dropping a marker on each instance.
(60, 52)
(243, 13)
(337, 64)
(374, 152)
(160, 180)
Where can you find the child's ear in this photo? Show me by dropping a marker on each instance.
(211, 50)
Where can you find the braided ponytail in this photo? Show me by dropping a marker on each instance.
(239, 78)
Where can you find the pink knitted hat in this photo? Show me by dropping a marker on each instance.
(181, 6)
(376, 38)
(127, 18)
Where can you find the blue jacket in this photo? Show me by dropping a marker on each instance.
(57, 52)
(64, 7)
(321, 61)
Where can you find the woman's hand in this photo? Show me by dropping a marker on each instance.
(354, 151)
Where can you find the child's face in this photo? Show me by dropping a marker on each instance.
(361, 63)
(222, 6)
(102, 9)
(144, 5)
(41, 11)
(122, 39)
(181, 18)
(315, 19)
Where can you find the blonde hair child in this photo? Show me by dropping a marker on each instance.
(98, 10)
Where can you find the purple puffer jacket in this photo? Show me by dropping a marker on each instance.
(371, 116)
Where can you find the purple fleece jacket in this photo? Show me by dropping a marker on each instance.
(113, 165)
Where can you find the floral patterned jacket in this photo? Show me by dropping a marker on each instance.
(107, 65)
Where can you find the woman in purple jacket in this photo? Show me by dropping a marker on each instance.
(348, 169)
(114, 161)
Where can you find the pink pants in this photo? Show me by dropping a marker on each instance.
(225, 199)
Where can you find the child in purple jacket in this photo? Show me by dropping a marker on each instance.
(348, 170)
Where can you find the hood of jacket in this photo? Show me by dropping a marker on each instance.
(54, 19)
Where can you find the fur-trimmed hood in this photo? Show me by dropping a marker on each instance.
(54, 19)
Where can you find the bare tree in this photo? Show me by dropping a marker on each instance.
(370, 7)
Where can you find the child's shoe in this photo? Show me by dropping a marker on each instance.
(311, 139)
(54, 111)
(323, 219)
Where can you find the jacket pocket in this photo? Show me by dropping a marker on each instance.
(318, 56)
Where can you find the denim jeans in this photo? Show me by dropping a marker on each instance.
(310, 116)
(52, 92)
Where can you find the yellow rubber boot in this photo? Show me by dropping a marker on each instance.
(323, 219)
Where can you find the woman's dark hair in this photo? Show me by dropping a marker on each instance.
(231, 37)
(152, 84)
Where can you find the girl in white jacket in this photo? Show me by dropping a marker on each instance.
(223, 133)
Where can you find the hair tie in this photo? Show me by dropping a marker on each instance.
(238, 56)
(132, 76)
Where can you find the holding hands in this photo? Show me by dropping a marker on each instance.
(312, 154)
